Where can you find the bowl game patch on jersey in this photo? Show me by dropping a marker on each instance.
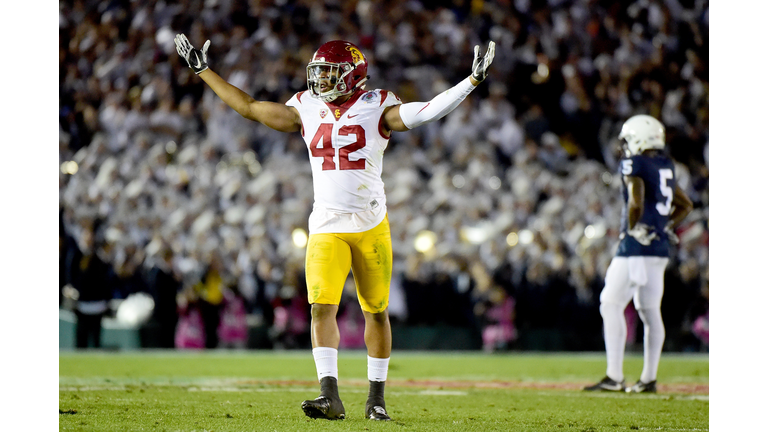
(369, 97)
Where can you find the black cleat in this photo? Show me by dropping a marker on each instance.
(375, 408)
(324, 407)
(641, 387)
(607, 384)
(376, 412)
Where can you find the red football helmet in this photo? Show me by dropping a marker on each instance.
(345, 66)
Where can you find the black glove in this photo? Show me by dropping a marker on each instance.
(482, 63)
(196, 59)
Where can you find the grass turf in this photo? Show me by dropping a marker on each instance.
(262, 391)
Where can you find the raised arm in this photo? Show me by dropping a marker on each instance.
(274, 115)
(410, 115)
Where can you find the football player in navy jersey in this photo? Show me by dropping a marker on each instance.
(653, 206)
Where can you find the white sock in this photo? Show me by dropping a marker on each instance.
(326, 362)
(615, 332)
(653, 342)
(377, 368)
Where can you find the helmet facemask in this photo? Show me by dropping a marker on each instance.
(336, 73)
(339, 64)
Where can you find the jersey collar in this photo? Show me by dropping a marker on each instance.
(339, 110)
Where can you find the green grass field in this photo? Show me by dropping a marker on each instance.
(439, 391)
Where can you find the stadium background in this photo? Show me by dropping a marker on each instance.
(504, 214)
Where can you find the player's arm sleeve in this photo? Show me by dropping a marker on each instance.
(416, 114)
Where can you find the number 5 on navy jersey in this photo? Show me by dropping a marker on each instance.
(665, 174)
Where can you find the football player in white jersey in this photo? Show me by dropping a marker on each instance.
(346, 129)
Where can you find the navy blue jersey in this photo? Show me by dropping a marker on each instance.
(658, 174)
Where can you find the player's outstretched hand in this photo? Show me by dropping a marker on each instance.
(643, 234)
(196, 59)
(481, 63)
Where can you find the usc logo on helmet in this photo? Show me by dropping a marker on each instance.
(357, 56)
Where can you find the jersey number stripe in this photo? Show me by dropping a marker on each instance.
(327, 152)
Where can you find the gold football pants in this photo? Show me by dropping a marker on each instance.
(369, 254)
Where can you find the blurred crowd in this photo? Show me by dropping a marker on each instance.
(504, 214)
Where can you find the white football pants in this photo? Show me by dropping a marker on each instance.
(640, 278)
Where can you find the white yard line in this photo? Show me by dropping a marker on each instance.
(352, 386)
(225, 385)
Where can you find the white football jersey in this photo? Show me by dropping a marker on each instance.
(346, 146)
